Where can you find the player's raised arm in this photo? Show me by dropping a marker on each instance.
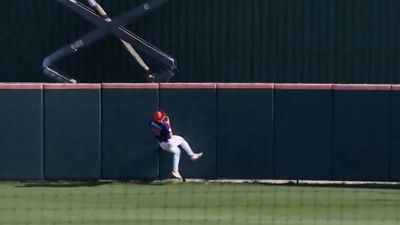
(167, 120)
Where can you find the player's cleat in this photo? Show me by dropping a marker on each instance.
(176, 175)
(196, 156)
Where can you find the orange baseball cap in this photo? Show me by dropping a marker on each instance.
(158, 115)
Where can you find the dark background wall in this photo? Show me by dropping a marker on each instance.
(318, 41)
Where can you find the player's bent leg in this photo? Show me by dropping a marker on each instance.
(176, 159)
(175, 163)
(185, 145)
(166, 146)
(174, 149)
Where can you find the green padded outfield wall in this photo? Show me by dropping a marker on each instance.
(302, 113)
(21, 131)
(128, 147)
(193, 114)
(245, 131)
(360, 132)
(72, 131)
(314, 41)
(395, 134)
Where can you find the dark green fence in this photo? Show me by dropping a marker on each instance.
(246, 131)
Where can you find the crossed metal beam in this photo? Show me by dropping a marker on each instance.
(115, 27)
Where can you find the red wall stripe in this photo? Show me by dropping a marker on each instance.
(188, 85)
(359, 87)
(303, 86)
(21, 86)
(245, 86)
(129, 86)
(77, 86)
(278, 86)
(396, 87)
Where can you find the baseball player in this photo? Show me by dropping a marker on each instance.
(162, 131)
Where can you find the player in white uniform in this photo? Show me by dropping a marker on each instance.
(162, 131)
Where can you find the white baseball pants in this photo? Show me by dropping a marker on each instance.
(172, 146)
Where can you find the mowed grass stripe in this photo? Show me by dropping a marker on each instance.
(189, 203)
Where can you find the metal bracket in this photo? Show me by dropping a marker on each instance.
(116, 28)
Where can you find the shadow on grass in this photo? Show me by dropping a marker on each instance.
(94, 183)
(60, 184)
(347, 186)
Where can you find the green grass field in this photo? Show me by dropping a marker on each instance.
(195, 203)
